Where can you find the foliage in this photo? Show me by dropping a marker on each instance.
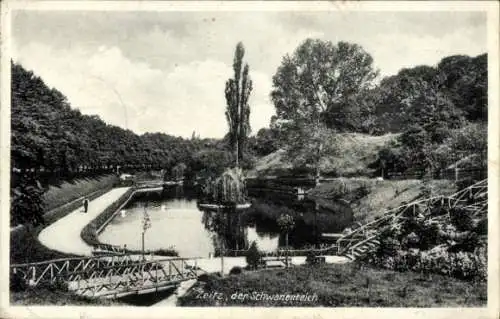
(17, 283)
(178, 171)
(27, 202)
(461, 219)
(463, 265)
(237, 92)
(449, 247)
(312, 91)
(265, 142)
(317, 80)
(229, 188)
(286, 223)
(311, 258)
(52, 139)
(253, 256)
(236, 270)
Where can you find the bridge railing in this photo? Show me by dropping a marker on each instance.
(423, 206)
(85, 268)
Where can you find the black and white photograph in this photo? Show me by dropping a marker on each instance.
(233, 155)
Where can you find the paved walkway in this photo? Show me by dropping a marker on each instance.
(64, 234)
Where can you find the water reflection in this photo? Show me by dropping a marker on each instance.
(259, 222)
(177, 221)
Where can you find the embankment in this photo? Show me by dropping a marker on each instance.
(369, 198)
(24, 244)
(353, 155)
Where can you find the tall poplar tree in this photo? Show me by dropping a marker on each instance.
(238, 111)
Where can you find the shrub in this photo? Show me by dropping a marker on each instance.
(412, 240)
(58, 285)
(463, 265)
(17, 283)
(461, 219)
(253, 256)
(311, 258)
(482, 227)
(236, 270)
(389, 246)
(204, 277)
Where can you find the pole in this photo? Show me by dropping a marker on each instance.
(143, 258)
(287, 252)
(222, 243)
(222, 258)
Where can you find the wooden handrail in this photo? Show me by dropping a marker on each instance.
(396, 212)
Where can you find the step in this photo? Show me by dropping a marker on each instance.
(351, 257)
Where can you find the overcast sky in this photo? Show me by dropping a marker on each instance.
(169, 68)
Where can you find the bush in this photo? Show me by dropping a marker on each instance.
(58, 285)
(482, 227)
(463, 265)
(236, 270)
(311, 258)
(17, 283)
(412, 240)
(253, 256)
(389, 246)
(461, 219)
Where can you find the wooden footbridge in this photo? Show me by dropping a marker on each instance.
(110, 276)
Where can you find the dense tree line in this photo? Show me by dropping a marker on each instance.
(49, 136)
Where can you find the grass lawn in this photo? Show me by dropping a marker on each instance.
(345, 285)
(59, 195)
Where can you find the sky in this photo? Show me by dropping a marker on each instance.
(166, 71)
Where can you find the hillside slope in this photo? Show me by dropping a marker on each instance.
(354, 153)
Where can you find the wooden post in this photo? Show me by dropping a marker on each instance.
(222, 258)
(143, 258)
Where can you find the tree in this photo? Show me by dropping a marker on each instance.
(286, 224)
(315, 83)
(237, 92)
(253, 256)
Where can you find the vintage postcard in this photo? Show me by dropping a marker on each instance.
(233, 159)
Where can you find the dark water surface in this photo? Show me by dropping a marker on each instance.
(176, 221)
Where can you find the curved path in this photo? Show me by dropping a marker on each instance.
(64, 234)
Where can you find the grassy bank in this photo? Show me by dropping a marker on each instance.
(354, 152)
(24, 244)
(67, 192)
(370, 197)
(339, 285)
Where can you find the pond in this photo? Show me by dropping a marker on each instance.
(177, 222)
